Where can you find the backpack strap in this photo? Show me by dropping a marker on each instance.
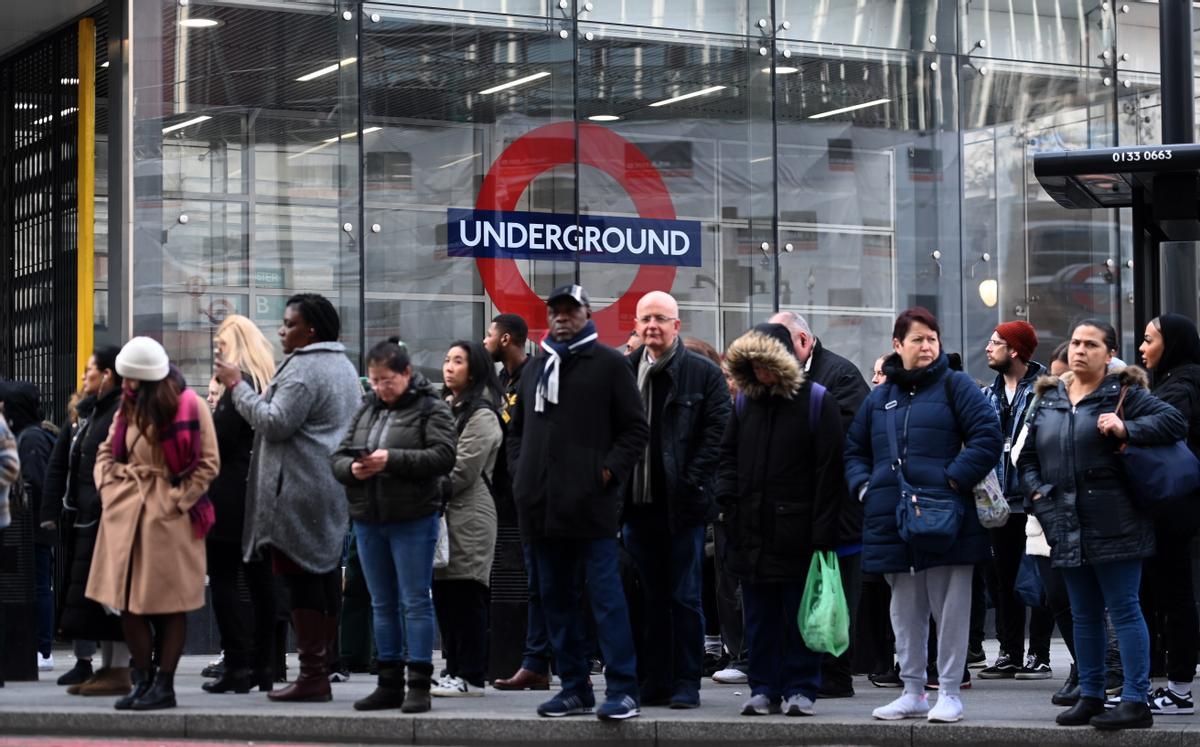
(816, 397)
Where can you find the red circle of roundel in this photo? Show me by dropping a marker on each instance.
(540, 150)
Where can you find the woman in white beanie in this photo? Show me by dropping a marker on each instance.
(153, 474)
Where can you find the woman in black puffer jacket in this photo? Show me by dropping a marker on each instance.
(1072, 474)
(1171, 351)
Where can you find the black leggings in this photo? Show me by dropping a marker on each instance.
(246, 623)
(1170, 603)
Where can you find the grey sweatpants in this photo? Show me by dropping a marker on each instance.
(945, 593)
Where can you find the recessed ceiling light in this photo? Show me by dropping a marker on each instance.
(326, 70)
(692, 95)
(187, 123)
(782, 69)
(50, 117)
(349, 135)
(604, 118)
(70, 81)
(515, 83)
(852, 108)
(24, 105)
(199, 23)
(105, 64)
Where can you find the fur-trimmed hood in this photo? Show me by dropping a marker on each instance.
(756, 347)
(1127, 376)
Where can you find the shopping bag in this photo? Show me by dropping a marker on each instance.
(990, 504)
(824, 618)
(441, 551)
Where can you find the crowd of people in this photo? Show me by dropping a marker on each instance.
(670, 502)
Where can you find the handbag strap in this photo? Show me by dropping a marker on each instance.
(1120, 408)
(890, 408)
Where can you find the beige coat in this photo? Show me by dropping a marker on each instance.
(471, 513)
(146, 545)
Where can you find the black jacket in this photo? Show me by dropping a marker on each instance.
(506, 508)
(695, 410)
(1180, 388)
(235, 439)
(1085, 507)
(57, 468)
(35, 443)
(779, 485)
(557, 456)
(419, 458)
(846, 383)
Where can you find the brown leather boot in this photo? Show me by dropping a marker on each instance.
(313, 683)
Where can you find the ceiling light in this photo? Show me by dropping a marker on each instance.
(23, 105)
(70, 81)
(105, 64)
(199, 23)
(515, 83)
(326, 70)
(604, 118)
(188, 123)
(845, 109)
(50, 117)
(692, 95)
(349, 135)
(457, 161)
(782, 69)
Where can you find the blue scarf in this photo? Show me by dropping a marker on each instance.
(557, 354)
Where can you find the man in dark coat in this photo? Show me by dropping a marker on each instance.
(847, 385)
(576, 433)
(687, 406)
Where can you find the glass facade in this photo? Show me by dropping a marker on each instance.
(842, 158)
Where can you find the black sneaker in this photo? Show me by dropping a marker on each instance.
(1166, 702)
(1004, 669)
(976, 659)
(890, 678)
(1036, 668)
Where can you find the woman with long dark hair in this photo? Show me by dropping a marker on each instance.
(153, 474)
(394, 460)
(460, 590)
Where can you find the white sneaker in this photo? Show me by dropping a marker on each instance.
(46, 663)
(455, 687)
(947, 710)
(730, 677)
(906, 706)
(797, 705)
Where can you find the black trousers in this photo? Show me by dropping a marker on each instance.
(461, 607)
(1170, 602)
(1008, 546)
(875, 644)
(729, 605)
(245, 615)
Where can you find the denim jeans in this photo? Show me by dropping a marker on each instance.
(1114, 586)
(669, 564)
(43, 590)
(537, 641)
(781, 665)
(563, 568)
(397, 561)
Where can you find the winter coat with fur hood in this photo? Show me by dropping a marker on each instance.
(779, 485)
(1084, 504)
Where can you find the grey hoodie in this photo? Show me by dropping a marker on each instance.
(293, 502)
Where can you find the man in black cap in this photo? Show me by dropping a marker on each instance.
(576, 432)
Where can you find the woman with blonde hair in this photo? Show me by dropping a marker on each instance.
(247, 628)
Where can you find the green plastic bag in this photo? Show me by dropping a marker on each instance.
(824, 618)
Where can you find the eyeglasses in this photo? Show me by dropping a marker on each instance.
(996, 343)
(647, 318)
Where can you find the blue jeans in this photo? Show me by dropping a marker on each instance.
(781, 665)
(669, 564)
(1092, 588)
(397, 561)
(563, 566)
(43, 591)
(537, 641)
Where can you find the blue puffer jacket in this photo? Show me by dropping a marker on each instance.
(955, 440)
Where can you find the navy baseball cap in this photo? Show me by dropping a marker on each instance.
(574, 292)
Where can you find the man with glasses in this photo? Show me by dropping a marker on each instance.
(670, 499)
(1009, 354)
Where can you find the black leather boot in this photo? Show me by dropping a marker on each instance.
(160, 695)
(389, 693)
(1081, 713)
(1068, 694)
(263, 679)
(231, 681)
(142, 680)
(1128, 714)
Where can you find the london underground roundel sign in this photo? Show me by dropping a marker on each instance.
(541, 150)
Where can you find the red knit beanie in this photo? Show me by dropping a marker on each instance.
(1020, 336)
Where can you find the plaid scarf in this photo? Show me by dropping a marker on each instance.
(180, 442)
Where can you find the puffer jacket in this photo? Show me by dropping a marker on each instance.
(940, 440)
(1084, 504)
(779, 485)
(418, 456)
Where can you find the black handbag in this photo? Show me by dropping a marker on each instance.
(927, 518)
(1158, 476)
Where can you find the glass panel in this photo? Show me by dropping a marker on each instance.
(428, 328)
(895, 24)
(1069, 32)
(190, 323)
(204, 244)
(726, 16)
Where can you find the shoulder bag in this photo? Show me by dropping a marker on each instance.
(1158, 476)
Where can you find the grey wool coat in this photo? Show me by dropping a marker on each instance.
(471, 512)
(293, 502)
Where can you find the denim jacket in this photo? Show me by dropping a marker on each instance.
(1010, 480)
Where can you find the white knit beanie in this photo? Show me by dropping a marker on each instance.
(143, 359)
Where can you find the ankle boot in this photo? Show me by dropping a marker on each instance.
(1081, 713)
(313, 683)
(1068, 694)
(1128, 714)
(263, 679)
(420, 678)
(142, 680)
(231, 681)
(389, 693)
(160, 695)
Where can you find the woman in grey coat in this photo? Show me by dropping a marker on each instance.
(295, 509)
(460, 590)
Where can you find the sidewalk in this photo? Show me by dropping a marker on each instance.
(997, 713)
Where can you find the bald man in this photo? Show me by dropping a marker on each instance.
(670, 499)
